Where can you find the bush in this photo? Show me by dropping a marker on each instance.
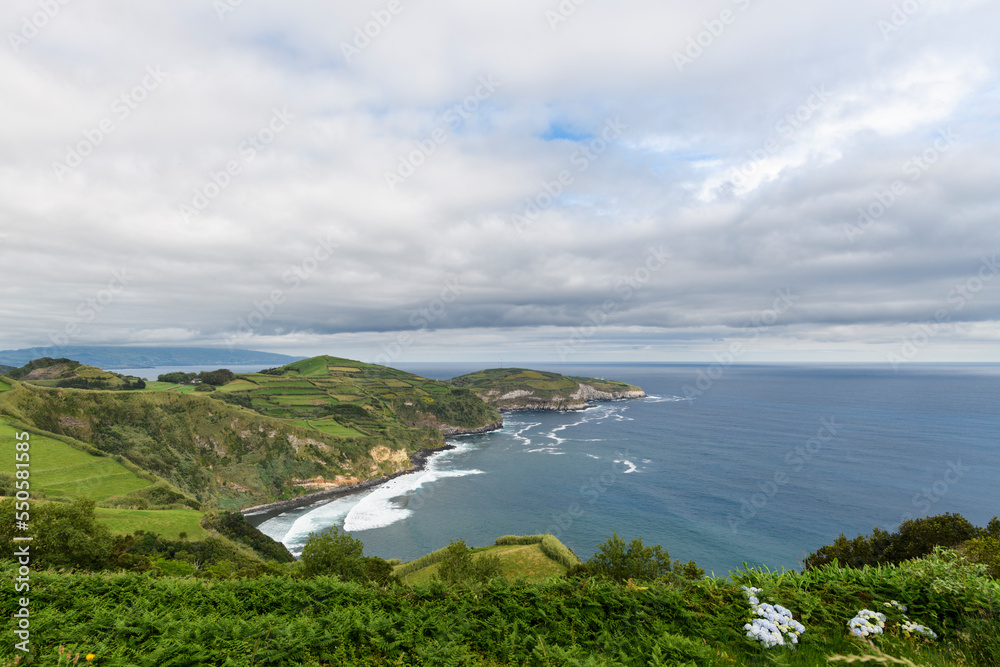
(559, 552)
(159, 496)
(234, 526)
(619, 561)
(219, 377)
(66, 535)
(176, 378)
(458, 565)
(332, 552)
(913, 539)
(986, 551)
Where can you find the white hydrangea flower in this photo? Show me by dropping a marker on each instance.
(774, 624)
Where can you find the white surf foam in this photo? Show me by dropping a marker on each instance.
(666, 399)
(383, 507)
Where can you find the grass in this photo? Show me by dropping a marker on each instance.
(238, 385)
(331, 427)
(169, 523)
(525, 561)
(58, 470)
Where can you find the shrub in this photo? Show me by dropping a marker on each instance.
(219, 377)
(331, 552)
(64, 534)
(235, 526)
(458, 565)
(619, 561)
(559, 552)
(985, 550)
(913, 539)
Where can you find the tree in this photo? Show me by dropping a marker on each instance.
(176, 378)
(219, 377)
(331, 552)
(620, 562)
(64, 534)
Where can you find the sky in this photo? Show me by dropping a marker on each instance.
(393, 181)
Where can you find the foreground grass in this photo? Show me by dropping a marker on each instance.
(168, 523)
(139, 619)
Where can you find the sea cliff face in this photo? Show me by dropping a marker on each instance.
(580, 399)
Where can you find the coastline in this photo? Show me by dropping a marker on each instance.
(418, 462)
(260, 513)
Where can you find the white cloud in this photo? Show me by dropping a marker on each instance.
(667, 180)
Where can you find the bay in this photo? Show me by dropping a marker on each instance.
(720, 465)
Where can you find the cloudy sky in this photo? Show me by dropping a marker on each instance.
(401, 181)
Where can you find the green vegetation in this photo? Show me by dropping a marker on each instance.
(168, 523)
(518, 388)
(333, 553)
(59, 470)
(914, 538)
(234, 526)
(468, 611)
(217, 454)
(66, 373)
(458, 566)
(136, 619)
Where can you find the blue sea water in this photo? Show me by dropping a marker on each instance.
(762, 464)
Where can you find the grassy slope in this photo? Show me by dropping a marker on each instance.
(59, 470)
(525, 561)
(169, 523)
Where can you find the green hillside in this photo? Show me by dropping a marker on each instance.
(532, 558)
(345, 397)
(62, 372)
(61, 471)
(520, 389)
(312, 425)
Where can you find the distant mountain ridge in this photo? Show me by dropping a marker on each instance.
(108, 357)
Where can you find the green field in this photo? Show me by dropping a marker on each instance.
(169, 523)
(58, 470)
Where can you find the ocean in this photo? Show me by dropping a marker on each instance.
(723, 466)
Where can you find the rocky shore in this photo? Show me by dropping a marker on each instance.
(417, 462)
